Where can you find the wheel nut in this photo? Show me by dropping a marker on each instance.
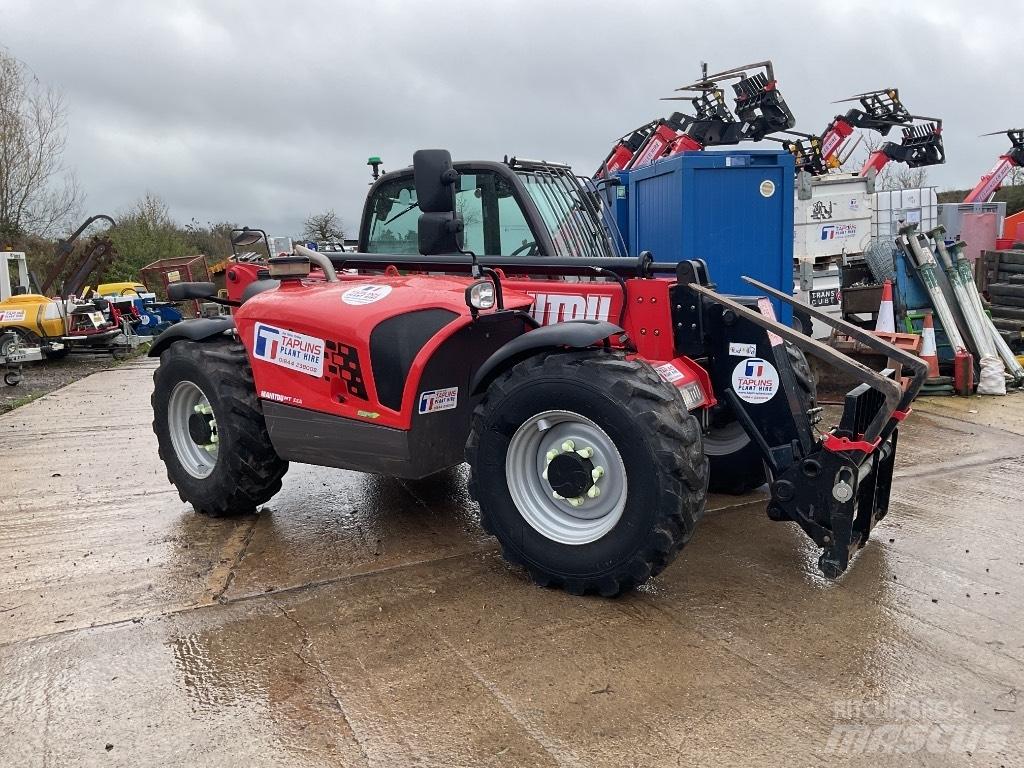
(594, 492)
(586, 453)
(551, 454)
(576, 501)
(544, 474)
(557, 496)
(568, 445)
(596, 473)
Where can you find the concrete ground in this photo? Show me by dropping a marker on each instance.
(362, 621)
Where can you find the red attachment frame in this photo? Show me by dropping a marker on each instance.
(876, 161)
(837, 444)
(656, 145)
(832, 141)
(684, 143)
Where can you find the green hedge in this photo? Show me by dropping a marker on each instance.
(1012, 196)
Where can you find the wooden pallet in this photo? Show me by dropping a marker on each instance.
(997, 267)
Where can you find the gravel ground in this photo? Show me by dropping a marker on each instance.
(48, 375)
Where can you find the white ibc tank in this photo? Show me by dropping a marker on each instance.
(832, 217)
(896, 207)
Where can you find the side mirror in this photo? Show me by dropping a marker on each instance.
(440, 227)
(435, 180)
(440, 234)
(246, 237)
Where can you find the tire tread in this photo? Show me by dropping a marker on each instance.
(661, 418)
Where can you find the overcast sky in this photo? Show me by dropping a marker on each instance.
(260, 113)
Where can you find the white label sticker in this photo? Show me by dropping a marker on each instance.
(668, 372)
(755, 380)
(439, 400)
(742, 350)
(767, 188)
(11, 315)
(838, 231)
(289, 349)
(365, 294)
(550, 308)
(279, 398)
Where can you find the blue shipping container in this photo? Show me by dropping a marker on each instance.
(733, 209)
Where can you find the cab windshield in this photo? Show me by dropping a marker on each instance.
(494, 220)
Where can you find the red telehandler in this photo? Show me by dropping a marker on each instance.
(759, 111)
(991, 182)
(576, 386)
(880, 111)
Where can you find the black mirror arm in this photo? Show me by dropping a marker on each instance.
(498, 296)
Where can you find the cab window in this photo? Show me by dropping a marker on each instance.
(494, 222)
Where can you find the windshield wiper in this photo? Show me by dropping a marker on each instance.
(402, 212)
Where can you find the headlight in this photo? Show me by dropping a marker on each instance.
(480, 295)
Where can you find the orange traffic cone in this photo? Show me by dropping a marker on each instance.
(886, 322)
(928, 351)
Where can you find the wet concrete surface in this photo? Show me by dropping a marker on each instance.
(364, 621)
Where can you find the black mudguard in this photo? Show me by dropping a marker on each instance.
(199, 329)
(576, 334)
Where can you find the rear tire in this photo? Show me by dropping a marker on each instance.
(204, 395)
(736, 464)
(23, 338)
(652, 484)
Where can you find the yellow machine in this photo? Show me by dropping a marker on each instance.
(38, 320)
(31, 316)
(130, 288)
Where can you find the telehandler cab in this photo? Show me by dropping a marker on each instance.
(486, 321)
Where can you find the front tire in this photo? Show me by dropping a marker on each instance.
(210, 429)
(568, 423)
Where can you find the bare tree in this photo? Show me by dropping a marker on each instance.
(323, 227)
(893, 175)
(38, 196)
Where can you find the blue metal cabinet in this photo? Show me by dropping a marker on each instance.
(733, 209)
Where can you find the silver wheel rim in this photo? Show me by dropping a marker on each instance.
(556, 518)
(187, 399)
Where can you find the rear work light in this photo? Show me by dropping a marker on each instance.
(288, 267)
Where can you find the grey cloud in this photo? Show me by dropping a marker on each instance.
(261, 113)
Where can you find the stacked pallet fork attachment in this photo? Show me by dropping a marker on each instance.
(759, 111)
(990, 183)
